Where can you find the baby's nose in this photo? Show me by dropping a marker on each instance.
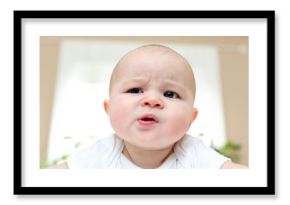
(153, 101)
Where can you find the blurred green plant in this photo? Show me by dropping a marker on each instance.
(45, 164)
(230, 150)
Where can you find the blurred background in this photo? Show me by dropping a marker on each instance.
(74, 77)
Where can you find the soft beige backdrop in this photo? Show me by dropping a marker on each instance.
(233, 53)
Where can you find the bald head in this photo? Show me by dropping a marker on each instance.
(157, 56)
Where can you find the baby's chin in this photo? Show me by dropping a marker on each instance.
(147, 146)
(150, 142)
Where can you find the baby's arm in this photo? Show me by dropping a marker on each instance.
(232, 165)
(59, 166)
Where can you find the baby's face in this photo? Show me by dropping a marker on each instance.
(151, 99)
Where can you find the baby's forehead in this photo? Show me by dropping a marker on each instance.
(152, 54)
(152, 50)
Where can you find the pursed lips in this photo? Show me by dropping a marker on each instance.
(148, 119)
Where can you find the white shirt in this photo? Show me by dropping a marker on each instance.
(189, 153)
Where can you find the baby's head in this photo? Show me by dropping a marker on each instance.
(152, 91)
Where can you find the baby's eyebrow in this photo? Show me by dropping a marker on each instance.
(137, 79)
(174, 83)
(167, 82)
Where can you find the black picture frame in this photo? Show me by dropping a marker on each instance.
(19, 189)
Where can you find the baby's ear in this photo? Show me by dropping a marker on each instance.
(106, 106)
(194, 114)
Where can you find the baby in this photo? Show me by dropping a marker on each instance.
(151, 107)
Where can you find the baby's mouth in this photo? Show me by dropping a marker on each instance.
(148, 119)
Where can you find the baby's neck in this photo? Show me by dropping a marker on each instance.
(146, 159)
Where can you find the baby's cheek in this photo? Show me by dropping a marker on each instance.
(119, 115)
(179, 124)
(115, 118)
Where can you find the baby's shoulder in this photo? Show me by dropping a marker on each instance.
(193, 153)
(188, 142)
(96, 155)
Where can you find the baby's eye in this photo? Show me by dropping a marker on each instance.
(171, 94)
(135, 90)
